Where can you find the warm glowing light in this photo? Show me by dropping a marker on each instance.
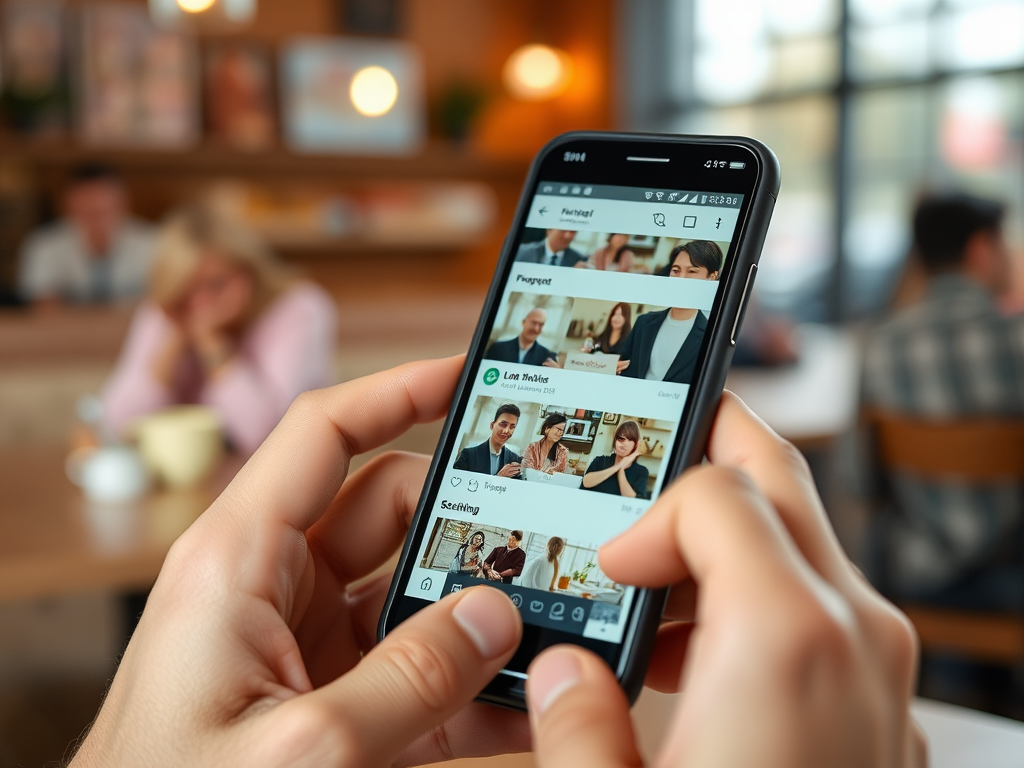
(374, 91)
(537, 72)
(195, 6)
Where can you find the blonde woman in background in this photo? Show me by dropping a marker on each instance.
(542, 573)
(224, 325)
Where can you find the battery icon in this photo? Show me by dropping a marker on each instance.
(740, 166)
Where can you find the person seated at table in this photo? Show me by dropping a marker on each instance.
(505, 563)
(619, 474)
(492, 456)
(97, 253)
(553, 250)
(542, 572)
(224, 325)
(525, 348)
(467, 558)
(548, 454)
(952, 356)
(605, 255)
(611, 338)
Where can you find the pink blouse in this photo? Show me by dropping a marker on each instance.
(288, 349)
(536, 458)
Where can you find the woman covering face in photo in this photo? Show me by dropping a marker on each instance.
(548, 454)
(619, 474)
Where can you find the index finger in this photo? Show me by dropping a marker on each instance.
(739, 440)
(298, 470)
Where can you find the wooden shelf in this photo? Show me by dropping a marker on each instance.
(437, 160)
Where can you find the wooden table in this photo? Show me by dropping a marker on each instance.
(813, 401)
(53, 542)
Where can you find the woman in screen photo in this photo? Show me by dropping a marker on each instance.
(619, 474)
(548, 454)
(605, 255)
(542, 572)
(467, 558)
(620, 322)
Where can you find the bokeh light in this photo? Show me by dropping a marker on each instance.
(195, 6)
(374, 91)
(537, 72)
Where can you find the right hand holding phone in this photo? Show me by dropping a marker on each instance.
(782, 640)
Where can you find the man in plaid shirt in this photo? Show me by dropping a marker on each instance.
(953, 355)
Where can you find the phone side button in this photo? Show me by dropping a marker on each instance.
(744, 300)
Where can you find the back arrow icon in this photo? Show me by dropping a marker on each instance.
(543, 210)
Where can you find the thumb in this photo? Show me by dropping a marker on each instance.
(421, 674)
(578, 713)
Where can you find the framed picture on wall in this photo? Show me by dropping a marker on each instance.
(138, 84)
(238, 94)
(34, 94)
(611, 418)
(353, 96)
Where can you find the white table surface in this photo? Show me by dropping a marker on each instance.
(957, 737)
(813, 399)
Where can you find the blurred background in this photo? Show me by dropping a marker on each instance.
(189, 183)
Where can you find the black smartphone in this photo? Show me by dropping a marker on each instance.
(592, 381)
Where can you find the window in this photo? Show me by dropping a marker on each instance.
(866, 102)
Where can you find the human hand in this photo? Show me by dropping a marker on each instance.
(621, 366)
(627, 461)
(551, 363)
(511, 469)
(782, 640)
(256, 646)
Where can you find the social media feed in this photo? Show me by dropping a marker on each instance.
(574, 409)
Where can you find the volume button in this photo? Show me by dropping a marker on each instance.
(743, 304)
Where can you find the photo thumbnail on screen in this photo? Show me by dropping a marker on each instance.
(620, 252)
(563, 446)
(632, 340)
(528, 559)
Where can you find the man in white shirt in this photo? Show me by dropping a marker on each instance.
(96, 254)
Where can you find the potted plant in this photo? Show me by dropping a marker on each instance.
(582, 574)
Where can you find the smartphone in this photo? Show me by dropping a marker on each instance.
(591, 382)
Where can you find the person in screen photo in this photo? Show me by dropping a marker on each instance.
(548, 454)
(505, 563)
(605, 255)
(553, 250)
(542, 572)
(698, 259)
(524, 348)
(663, 345)
(619, 474)
(612, 337)
(493, 457)
(467, 558)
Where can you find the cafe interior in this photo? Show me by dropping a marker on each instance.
(375, 149)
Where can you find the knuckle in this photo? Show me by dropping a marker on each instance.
(791, 456)
(897, 641)
(817, 638)
(312, 729)
(425, 671)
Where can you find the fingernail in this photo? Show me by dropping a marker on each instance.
(554, 673)
(489, 619)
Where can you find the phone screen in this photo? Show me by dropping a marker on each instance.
(573, 405)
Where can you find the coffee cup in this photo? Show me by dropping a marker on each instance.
(108, 474)
(181, 445)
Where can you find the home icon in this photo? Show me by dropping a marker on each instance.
(426, 584)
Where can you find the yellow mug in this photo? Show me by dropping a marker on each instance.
(181, 445)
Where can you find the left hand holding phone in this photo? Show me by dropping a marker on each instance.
(256, 646)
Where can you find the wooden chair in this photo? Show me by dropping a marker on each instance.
(976, 451)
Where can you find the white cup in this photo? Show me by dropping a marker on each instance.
(182, 445)
(111, 474)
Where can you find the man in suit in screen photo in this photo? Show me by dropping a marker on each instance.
(524, 348)
(492, 457)
(553, 250)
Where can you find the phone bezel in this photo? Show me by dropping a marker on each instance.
(759, 183)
